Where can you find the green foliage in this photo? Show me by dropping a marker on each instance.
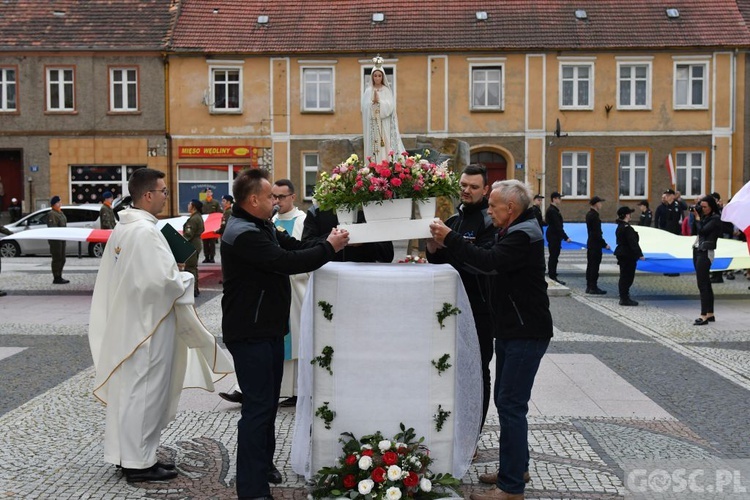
(442, 364)
(447, 310)
(325, 358)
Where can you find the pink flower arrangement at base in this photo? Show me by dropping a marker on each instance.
(352, 183)
(375, 468)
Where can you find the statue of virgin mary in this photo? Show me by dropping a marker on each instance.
(379, 120)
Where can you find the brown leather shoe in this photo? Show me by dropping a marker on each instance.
(495, 494)
(491, 478)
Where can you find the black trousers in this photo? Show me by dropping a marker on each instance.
(627, 276)
(593, 260)
(259, 367)
(554, 254)
(209, 249)
(485, 332)
(702, 265)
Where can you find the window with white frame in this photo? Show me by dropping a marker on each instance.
(60, 89)
(8, 87)
(317, 89)
(634, 85)
(633, 174)
(123, 89)
(690, 169)
(576, 170)
(576, 86)
(310, 167)
(226, 86)
(691, 85)
(487, 87)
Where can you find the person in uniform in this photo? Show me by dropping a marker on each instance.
(537, 208)
(627, 251)
(646, 215)
(594, 246)
(192, 231)
(106, 214)
(555, 235)
(14, 209)
(210, 206)
(226, 203)
(56, 218)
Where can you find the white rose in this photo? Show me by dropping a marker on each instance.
(384, 445)
(393, 493)
(365, 462)
(394, 472)
(366, 446)
(365, 486)
(403, 445)
(425, 485)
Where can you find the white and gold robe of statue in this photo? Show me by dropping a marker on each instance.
(146, 340)
(379, 121)
(299, 286)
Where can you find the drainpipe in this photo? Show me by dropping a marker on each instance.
(168, 135)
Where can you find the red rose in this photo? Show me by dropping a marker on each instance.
(403, 450)
(390, 458)
(350, 460)
(411, 480)
(395, 182)
(366, 453)
(350, 481)
(378, 475)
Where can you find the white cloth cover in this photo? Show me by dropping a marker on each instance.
(146, 339)
(385, 334)
(380, 119)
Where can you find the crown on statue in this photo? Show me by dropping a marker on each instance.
(378, 62)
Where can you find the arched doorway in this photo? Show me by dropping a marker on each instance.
(496, 163)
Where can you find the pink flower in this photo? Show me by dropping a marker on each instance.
(395, 182)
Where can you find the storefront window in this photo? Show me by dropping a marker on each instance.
(88, 182)
(195, 179)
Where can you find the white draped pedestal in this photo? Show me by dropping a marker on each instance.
(385, 335)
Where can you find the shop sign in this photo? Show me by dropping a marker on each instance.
(218, 152)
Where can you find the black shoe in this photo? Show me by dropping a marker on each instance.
(711, 319)
(700, 321)
(3, 294)
(628, 302)
(596, 291)
(289, 402)
(717, 280)
(153, 473)
(163, 465)
(671, 274)
(60, 281)
(730, 276)
(557, 280)
(211, 261)
(274, 476)
(232, 397)
(204, 261)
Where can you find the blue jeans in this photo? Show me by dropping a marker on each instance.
(259, 367)
(517, 362)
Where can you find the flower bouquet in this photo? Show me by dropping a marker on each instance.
(375, 468)
(353, 183)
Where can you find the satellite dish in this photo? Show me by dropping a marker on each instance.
(558, 133)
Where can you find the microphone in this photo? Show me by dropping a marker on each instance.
(274, 211)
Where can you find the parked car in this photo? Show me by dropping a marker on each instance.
(86, 215)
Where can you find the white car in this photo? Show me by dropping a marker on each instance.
(86, 215)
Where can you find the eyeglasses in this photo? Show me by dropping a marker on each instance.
(164, 191)
(280, 196)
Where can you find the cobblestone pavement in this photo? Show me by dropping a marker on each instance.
(618, 384)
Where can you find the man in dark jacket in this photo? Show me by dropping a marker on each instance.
(555, 235)
(521, 319)
(594, 246)
(474, 224)
(256, 262)
(673, 213)
(537, 208)
(660, 215)
(627, 251)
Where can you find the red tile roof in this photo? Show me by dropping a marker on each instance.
(84, 24)
(319, 26)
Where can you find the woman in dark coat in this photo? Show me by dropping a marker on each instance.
(628, 252)
(708, 230)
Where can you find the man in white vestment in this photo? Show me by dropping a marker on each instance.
(146, 340)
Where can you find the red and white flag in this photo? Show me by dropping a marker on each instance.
(669, 163)
(737, 211)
